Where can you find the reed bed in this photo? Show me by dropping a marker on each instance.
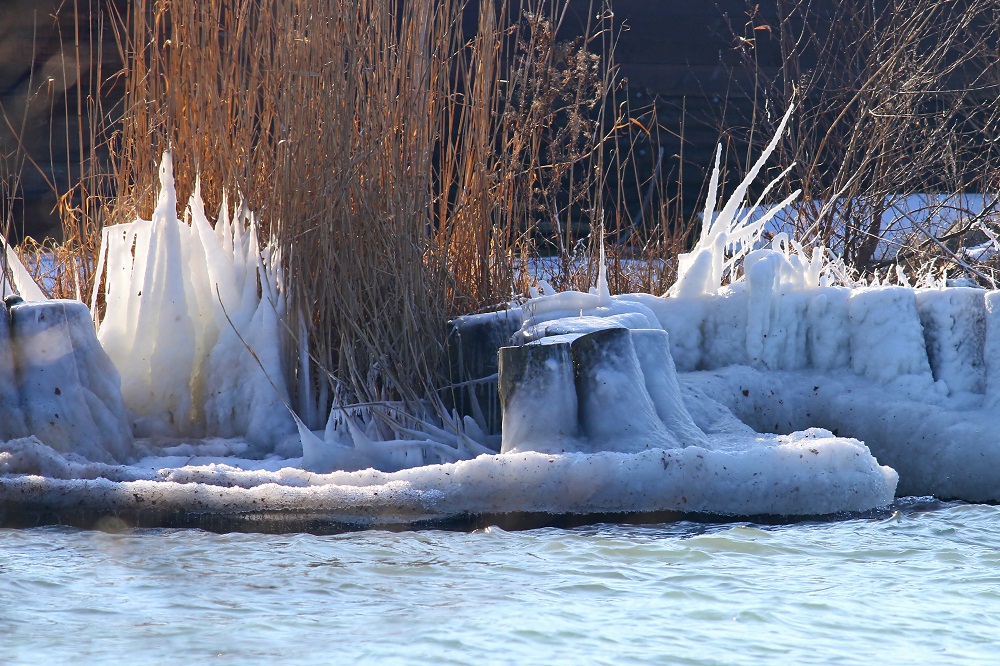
(894, 101)
(405, 160)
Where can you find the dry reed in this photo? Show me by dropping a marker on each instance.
(404, 163)
(408, 161)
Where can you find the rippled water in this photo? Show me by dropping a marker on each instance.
(921, 586)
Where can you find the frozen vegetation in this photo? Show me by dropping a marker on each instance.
(778, 394)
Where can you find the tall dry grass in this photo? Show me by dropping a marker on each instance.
(406, 159)
(68, 85)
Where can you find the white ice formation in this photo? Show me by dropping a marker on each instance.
(195, 320)
(57, 382)
(183, 304)
(914, 373)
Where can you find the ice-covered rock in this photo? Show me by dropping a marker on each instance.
(538, 395)
(68, 390)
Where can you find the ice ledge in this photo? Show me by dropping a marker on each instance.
(949, 450)
(788, 476)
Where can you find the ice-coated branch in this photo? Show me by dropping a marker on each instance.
(702, 270)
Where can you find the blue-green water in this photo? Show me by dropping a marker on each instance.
(919, 586)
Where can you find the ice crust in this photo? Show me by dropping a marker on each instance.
(634, 443)
(794, 475)
(949, 449)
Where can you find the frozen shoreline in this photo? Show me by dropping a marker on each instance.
(736, 401)
(747, 476)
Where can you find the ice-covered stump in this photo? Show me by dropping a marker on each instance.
(652, 349)
(630, 404)
(991, 348)
(829, 335)
(12, 423)
(616, 411)
(609, 389)
(538, 396)
(474, 342)
(68, 388)
(887, 340)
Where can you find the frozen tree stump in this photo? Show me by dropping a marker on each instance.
(538, 395)
(474, 342)
(69, 390)
(12, 423)
(616, 411)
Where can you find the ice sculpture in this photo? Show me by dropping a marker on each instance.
(183, 304)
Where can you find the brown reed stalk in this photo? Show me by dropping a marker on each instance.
(66, 89)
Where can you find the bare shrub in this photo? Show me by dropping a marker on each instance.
(894, 98)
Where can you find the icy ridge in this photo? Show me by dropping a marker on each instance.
(930, 343)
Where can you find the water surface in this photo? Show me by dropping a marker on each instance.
(918, 585)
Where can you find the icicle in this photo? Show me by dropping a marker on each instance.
(702, 270)
(603, 291)
(23, 285)
(708, 219)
